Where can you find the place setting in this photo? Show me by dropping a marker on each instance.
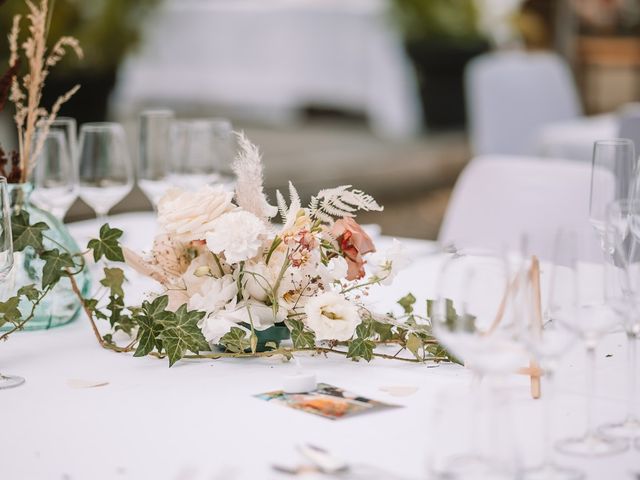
(237, 290)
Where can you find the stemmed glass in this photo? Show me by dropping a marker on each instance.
(6, 262)
(54, 177)
(68, 127)
(549, 342)
(476, 318)
(623, 295)
(106, 173)
(154, 158)
(585, 312)
(613, 168)
(202, 153)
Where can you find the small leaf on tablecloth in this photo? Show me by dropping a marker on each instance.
(107, 245)
(181, 334)
(26, 235)
(55, 266)
(399, 390)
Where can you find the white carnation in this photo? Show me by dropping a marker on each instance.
(214, 294)
(331, 316)
(387, 264)
(238, 235)
(187, 215)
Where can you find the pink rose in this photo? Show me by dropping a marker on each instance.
(354, 243)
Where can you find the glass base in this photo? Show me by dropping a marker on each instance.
(475, 467)
(10, 381)
(592, 445)
(629, 428)
(551, 471)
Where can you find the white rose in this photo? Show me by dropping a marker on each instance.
(387, 264)
(187, 215)
(331, 316)
(214, 294)
(238, 235)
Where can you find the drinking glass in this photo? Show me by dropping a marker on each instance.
(154, 158)
(68, 127)
(475, 317)
(585, 312)
(549, 342)
(613, 168)
(6, 262)
(106, 173)
(55, 177)
(623, 295)
(202, 153)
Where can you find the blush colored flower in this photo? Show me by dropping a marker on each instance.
(331, 316)
(354, 243)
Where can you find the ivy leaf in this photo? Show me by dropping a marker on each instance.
(113, 280)
(300, 337)
(414, 344)
(384, 331)
(149, 319)
(26, 235)
(181, 333)
(107, 245)
(30, 292)
(235, 340)
(55, 265)
(9, 311)
(362, 346)
(407, 303)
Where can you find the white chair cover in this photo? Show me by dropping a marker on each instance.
(511, 95)
(499, 198)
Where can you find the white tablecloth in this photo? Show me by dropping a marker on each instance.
(198, 420)
(268, 59)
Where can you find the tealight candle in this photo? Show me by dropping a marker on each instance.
(299, 383)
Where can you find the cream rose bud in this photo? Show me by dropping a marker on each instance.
(238, 235)
(331, 316)
(187, 215)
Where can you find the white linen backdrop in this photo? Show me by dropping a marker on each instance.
(199, 420)
(269, 59)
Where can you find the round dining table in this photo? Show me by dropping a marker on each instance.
(86, 413)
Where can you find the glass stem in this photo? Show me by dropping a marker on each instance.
(548, 400)
(591, 386)
(632, 372)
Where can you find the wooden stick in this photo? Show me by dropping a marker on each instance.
(534, 274)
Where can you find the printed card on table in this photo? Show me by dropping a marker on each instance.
(327, 401)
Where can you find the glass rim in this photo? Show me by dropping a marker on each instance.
(614, 141)
(100, 127)
(158, 112)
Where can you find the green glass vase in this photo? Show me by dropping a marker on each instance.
(61, 305)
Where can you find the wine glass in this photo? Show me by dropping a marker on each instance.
(476, 317)
(155, 153)
(622, 283)
(6, 262)
(54, 175)
(613, 168)
(202, 153)
(68, 126)
(585, 312)
(548, 341)
(106, 173)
